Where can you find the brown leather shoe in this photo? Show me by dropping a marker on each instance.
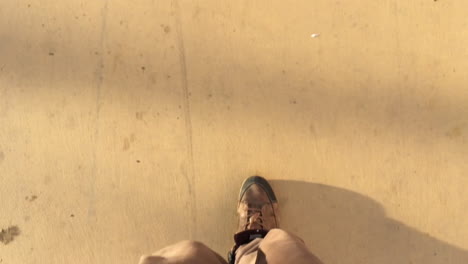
(257, 205)
(258, 213)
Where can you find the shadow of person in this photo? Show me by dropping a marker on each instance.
(345, 227)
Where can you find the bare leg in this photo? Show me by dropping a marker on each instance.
(277, 247)
(185, 252)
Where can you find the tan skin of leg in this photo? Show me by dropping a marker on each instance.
(280, 247)
(188, 251)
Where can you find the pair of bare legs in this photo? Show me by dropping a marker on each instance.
(257, 241)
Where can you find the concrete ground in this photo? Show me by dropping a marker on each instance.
(129, 125)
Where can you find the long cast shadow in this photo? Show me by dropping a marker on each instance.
(341, 226)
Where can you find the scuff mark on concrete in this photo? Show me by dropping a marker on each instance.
(139, 115)
(31, 198)
(99, 73)
(128, 141)
(188, 120)
(126, 144)
(455, 132)
(166, 28)
(7, 235)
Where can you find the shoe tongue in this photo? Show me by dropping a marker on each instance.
(255, 221)
(254, 226)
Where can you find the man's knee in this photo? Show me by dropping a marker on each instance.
(183, 248)
(282, 234)
(151, 260)
(188, 250)
(192, 245)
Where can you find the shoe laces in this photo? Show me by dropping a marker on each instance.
(254, 216)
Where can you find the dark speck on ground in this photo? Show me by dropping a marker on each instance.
(7, 235)
(31, 199)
